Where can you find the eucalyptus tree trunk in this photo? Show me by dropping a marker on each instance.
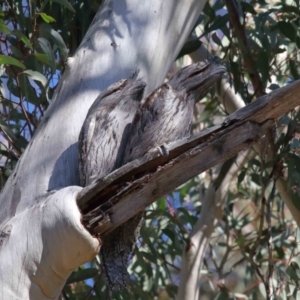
(41, 236)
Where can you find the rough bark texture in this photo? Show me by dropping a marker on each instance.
(151, 177)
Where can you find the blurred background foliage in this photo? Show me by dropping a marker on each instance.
(255, 246)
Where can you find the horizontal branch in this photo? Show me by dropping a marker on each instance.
(112, 200)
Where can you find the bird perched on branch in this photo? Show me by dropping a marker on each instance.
(164, 116)
(102, 142)
(104, 133)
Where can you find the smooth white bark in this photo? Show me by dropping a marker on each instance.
(42, 245)
(45, 227)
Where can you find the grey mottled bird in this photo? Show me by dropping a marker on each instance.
(104, 133)
(164, 116)
(102, 142)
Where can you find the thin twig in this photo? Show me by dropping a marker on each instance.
(260, 229)
(12, 143)
(239, 31)
(9, 150)
(23, 108)
(269, 243)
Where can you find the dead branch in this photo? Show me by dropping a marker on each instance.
(112, 200)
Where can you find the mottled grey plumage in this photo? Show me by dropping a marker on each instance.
(102, 142)
(117, 247)
(105, 130)
(164, 116)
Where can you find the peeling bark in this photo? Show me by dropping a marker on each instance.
(109, 202)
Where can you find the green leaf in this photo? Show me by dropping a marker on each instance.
(37, 76)
(293, 271)
(295, 294)
(273, 86)
(45, 45)
(255, 162)
(198, 22)
(281, 50)
(81, 275)
(16, 53)
(288, 30)
(169, 233)
(6, 128)
(222, 244)
(172, 291)
(235, 69)
(64, 3)
(290, 8)
(263, 65)
(298, 41)
(8, 172)
(295, 200)
(8, 60)
(21, 143)
(149, 257)
(294, 69)
(293, 164)
(42, 58)
(223, 172)
(161, 204)
(216, 39)
(295, 144)
(48, 31)
(256, 178)
(223, 295)
(12, 87)
(241, 176)
(189, 47)
(3, 27)
(22, 37)
(100, 289)
(248, 8)
(47, 18)
(220, 22)
(27, 90)
(209, 11)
